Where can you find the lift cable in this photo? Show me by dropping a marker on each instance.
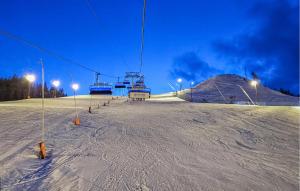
(93, 11)
(47, 51)
(142, 38)
(94, 14)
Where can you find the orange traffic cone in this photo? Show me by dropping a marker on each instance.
(90, 109)
(42, 150)
(77, 121)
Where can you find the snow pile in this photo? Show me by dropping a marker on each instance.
(228, 88)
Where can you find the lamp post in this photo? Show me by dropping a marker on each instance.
(30, 78)
(254, 83)
(179, 80)
(191, 87)
(56, 84)
(75, 87)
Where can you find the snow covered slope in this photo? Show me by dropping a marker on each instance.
(153, 145)
(229, 86)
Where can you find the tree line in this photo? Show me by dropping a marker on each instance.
(16, 88)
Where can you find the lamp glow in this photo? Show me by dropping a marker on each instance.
(254, 83)
(30, 77)
(179, 80)
(75, 87)
(56, 83)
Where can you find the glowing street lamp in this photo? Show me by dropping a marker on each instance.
(30, 78)
(75, 87)
(254, 83)
(191, 87)
(179, 80)
(56, 84)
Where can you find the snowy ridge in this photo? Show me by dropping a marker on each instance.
(230, 91)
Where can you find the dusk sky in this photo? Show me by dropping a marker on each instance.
(191, 39)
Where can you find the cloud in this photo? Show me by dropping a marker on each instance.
(270, 47)
(191, 68)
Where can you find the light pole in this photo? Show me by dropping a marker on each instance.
(30, 78)
(254, 83)
(179, 80)
(75, 87)
(191, 86)
(42, 143)
(56, 84)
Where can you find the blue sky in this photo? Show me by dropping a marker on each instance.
(181, 37)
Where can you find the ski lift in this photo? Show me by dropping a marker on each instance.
(126, 82)
(100, 88)
(137, 90)
(119, 84)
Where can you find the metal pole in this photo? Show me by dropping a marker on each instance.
(220, 93)
(191, 94)
(29, 85)
(75, 103)
(43, 103)
(246, 94)
(256, 94)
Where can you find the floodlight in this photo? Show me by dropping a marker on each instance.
(30, 77)
(75, 87)
(179, 80)
(56, 83)
(254, 83)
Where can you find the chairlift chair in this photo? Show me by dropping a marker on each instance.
(100, 88)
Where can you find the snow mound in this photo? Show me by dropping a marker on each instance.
(231, 88)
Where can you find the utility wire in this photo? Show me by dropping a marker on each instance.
(93, 11)
(42, 49)
(49, 52)
(98, 20)
(142, 39)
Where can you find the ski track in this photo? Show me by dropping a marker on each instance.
(152, 145)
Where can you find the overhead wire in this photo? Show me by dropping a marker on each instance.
(93, 11)
(142, 38)
(42, 49)
(49, 52)
(98, 20)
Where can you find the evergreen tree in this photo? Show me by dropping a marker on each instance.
(16, 88)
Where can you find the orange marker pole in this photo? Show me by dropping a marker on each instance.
(42, 143)
(76, 120)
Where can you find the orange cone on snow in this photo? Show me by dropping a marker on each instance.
(77, 121)
(42, 150)
(90, 109)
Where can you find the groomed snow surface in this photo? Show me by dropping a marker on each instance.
(161, 144)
